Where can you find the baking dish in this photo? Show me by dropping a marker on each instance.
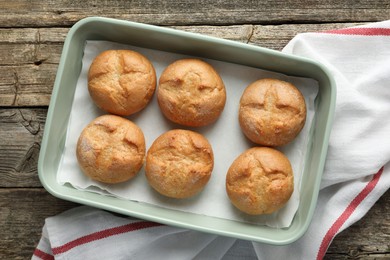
(165, 39)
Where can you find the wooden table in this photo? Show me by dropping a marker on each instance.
(31, 39)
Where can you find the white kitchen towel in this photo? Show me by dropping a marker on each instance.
(357, 170)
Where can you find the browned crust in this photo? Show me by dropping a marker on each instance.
(111, 149)
(272, 112)
(179, 163)
(121, 82)
(191, 93)
(260, 181)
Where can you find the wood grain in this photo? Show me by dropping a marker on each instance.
(26, 85)
(66, 13)
(21, 133)
(22, 216)
(31, 41)
(369, 238)
(31, 56)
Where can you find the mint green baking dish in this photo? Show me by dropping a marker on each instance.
(153, 37)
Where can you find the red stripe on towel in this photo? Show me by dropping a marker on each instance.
(43, 255)
(103, 234)
(332, 231)
(361, 31)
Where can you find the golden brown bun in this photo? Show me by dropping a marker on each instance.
(179, 163)
(121, 82)
(191, 93)
(111, 149)
(272, 112)
(260, 181)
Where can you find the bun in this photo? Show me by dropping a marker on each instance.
(260, 181)
(111, 149)
(191, 93)
(272, 112)
(121, 82)
(179, 163)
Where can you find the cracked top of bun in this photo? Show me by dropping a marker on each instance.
(121, 82)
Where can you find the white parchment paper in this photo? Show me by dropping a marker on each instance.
(225, 136)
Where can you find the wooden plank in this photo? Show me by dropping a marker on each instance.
(33, 35)
(26, 85)
(240, 33)
(208, 12)
(21, 133)
(22, 214)
(30, 53)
